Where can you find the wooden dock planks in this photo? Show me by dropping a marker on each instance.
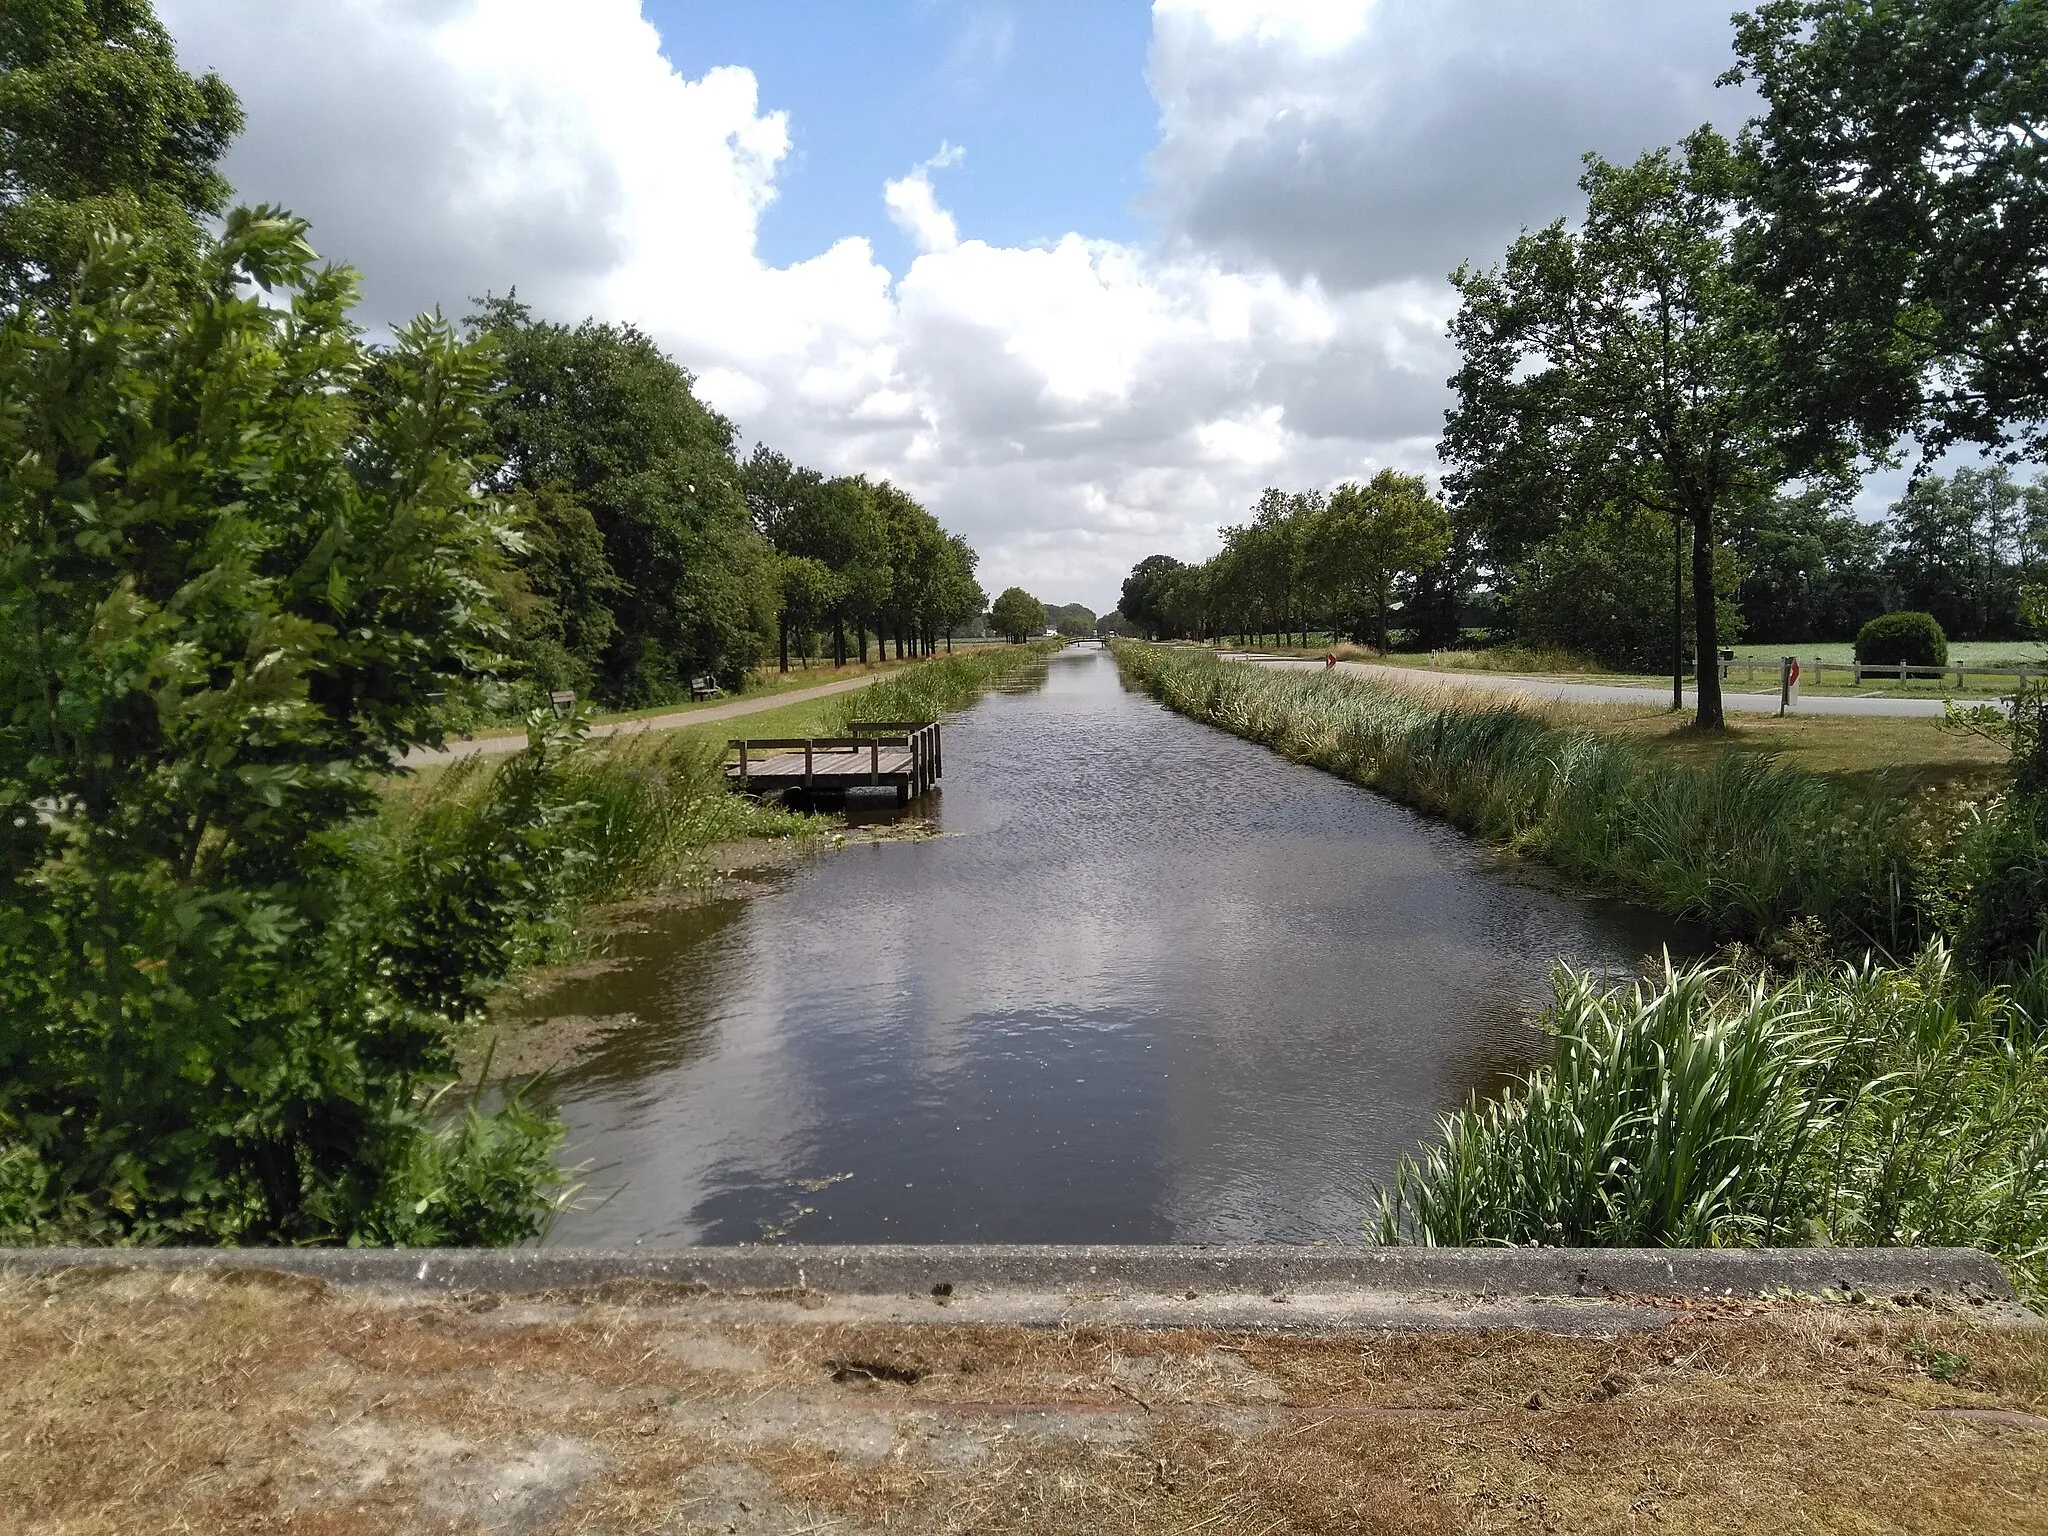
(902, 755)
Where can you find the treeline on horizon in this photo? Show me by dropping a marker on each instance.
(1969, 548)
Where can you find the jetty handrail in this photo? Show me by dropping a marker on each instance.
(860, 726)
(822, 743)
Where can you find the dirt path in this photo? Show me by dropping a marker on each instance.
(262, 1402)
(492, 746)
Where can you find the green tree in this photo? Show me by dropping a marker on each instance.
(1017, 615)
(1598, 587)
(960, 599)
(1269, 568)
(1809, 570)
(100, 128)
(918, 556)
(601, 412)
(1071, 619)
(557, 596)
(810, 592)
(1145, 593)
(1899, 192)
(1627, 355)
(1375, 534)
(231, 589)
(1956, 551)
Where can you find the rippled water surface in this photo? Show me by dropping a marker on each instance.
(1151, 983)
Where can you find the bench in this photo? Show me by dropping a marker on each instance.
(704, 688)
(563, 703)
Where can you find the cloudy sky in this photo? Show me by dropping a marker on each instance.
(1083, 275)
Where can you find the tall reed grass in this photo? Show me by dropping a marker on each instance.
(1852, 1104)
(627, 813)
(1742, 845)
(940, 684)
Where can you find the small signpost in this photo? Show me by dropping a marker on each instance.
(1788, 683)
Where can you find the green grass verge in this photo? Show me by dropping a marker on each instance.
(1739, 842)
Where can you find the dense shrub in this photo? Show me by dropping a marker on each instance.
(1914, 638)
(232, 588)
(1856, 1105)
(1997, 879)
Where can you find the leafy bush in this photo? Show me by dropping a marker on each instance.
(1857, 1105)
(1914, 638)
(232, 587)
(1996, 883)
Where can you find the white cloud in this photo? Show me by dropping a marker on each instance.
(1371, 142)
(1070, 407)
(914, 208)
(1312, 25)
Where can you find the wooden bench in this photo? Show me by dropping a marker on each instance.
(704, 688)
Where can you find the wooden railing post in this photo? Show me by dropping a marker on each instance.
(874, 760)
(808, 746)
(743, 765)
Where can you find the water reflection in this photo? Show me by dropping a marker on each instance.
(1151, 984)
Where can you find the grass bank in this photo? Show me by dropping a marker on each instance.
(1740, 842)
(635, 810)
(1869, 753)
(943, 683)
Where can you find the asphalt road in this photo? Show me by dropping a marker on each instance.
(496, 746)
(1551, 690)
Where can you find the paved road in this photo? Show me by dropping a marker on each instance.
(495, 746)
(1551, 690)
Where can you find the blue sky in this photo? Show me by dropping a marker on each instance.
(1047, 98)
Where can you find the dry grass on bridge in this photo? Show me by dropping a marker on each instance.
(137, 1402)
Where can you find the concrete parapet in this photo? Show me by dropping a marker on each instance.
(1314, 1288)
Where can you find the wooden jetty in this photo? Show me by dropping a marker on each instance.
(904, 755)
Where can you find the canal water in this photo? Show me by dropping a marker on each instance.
(1150, 983)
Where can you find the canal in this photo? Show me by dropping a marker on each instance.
(1149, 983)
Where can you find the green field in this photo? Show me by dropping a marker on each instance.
(1518, 661)
(1991, 653)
